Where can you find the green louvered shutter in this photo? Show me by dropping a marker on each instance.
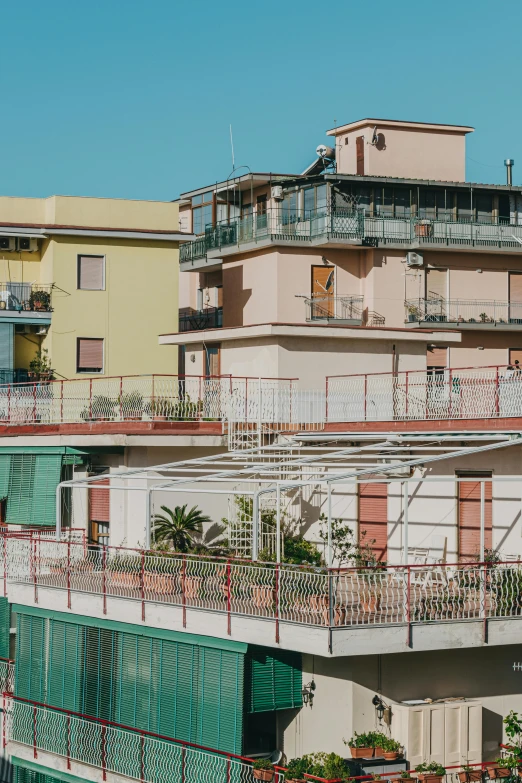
(46, 478)
(5, 627)
(220, 703)
(97, 689)
(5, 469)
(273, 680)
(64, 668)
(20, 492)
(30, 657)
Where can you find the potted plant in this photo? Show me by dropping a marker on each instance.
(499, 769)
(470, 774)
(484, 318)
(297, 769)
(423, 228)
(430, 773)
(101, 408)
(405, 775)
(263, 769)
(391, 749)
(361, 745)
(413, 313)
(40, 300)
(131, 406)
(161, 409)
(40, 367)
(379, 742)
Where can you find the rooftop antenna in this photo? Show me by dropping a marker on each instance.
(232, 146)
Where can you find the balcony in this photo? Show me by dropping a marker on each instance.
(344, 611)
(21, 297)
(68, 741)
(334, 227)
(347, 310)
(463, 314)
(209, 318)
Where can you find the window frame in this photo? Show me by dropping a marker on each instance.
(79, 256)
(89, 371)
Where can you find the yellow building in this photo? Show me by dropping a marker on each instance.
(91, 281)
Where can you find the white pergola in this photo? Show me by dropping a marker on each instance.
(309, 459)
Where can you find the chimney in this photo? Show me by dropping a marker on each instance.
(509, 163)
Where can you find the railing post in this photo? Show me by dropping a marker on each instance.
(34, 401)
(68, 742)
(9, 403)
(35, 752)
(183, 590)
(104, 578)
(365, 396)
(69, 574)
(142, 586)
(61, 402)
(450, 392)
(152, 398)
(121, 398)
(104, 751)
(229, 574)
(407, 386)
(497, 394)
(90, 398)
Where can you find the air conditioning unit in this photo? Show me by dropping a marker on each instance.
(414, 259)
(277, 192)
(23, 329)
(27, 244)
(8, 243)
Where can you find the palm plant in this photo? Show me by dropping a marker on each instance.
(179, 527)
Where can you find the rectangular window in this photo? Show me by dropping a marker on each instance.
(201, 217)
(91, 273)
(213, 360)
(89, 355)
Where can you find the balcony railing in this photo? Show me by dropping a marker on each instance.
(335, 308)
(466, 312)
(114, 748)
(468, 393)
(210, 318)
(281, 224)
(7, 671)
(346, 597)
(25, 296)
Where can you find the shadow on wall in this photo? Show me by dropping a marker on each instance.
(235, 296)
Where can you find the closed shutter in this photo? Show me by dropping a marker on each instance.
(6, 347)
(515, 286)
(469, 518)
(91, 272)
(437, 356)
(273, 680)
(47, 474)
(23, 775)
(5, 627)
(437, 284)
(66, 643)
(359, 151)
(20, 492)
(220, 701)
(323, 291)
(5, 469)
(90, 354)
(99, 499)
(30, 671)
(373, 518)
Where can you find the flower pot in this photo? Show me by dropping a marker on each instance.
(470, 777)
(264, 774)
(371, 602)
(262, 595)
(192, 586)
(361, 753)
(159, 418)
(423, 229)
(429, 777)
(498, 772)
(158, 583)
(124, 579)
(378, 752)
(391, 755)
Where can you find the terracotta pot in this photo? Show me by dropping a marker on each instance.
(372, 603)
(158, 583)
(499, 772)
(470, 777)
(378, 752)
(192, 586)
(429, 777)
(159, 418)
(262, 595)
(391, 755)
(361, 753)
(124, 579)
(264, 774)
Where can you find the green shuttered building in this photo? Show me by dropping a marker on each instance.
(192, 688)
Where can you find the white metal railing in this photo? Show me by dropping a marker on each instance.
(463, 311)
(305, 595)
(336, 308)
(7, 670)
(468, 393)
(110, 747)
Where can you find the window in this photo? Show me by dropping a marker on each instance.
(290, 208)
(201, 217)
(213, 359)
(89, 355)
(91, 273)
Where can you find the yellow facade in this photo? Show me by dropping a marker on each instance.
(139, 301)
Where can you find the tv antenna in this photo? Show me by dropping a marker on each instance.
(232, 146)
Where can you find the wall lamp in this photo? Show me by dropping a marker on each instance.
(383, 710)
(308, 693)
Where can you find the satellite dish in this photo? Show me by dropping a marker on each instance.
(325, 152)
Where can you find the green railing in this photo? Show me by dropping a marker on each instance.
(281, 224)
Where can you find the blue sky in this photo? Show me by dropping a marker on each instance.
(130, 99)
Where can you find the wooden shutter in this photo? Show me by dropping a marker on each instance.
(323, 290)
(359, 151)
(515, 286)
(90, 354)
(437, 357)
(91, 273)
(100, 502)
(469, 518)
(373, 518)
(437, 284)
(213, 360)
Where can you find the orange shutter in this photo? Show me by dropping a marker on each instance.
(90, 272)
(359, 151)
(515, 286)
(99, 500)
(90, 354)
(469, 519)
(373, 518)
(437, 357)
(323, 289)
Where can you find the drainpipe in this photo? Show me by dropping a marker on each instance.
(509, 163)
